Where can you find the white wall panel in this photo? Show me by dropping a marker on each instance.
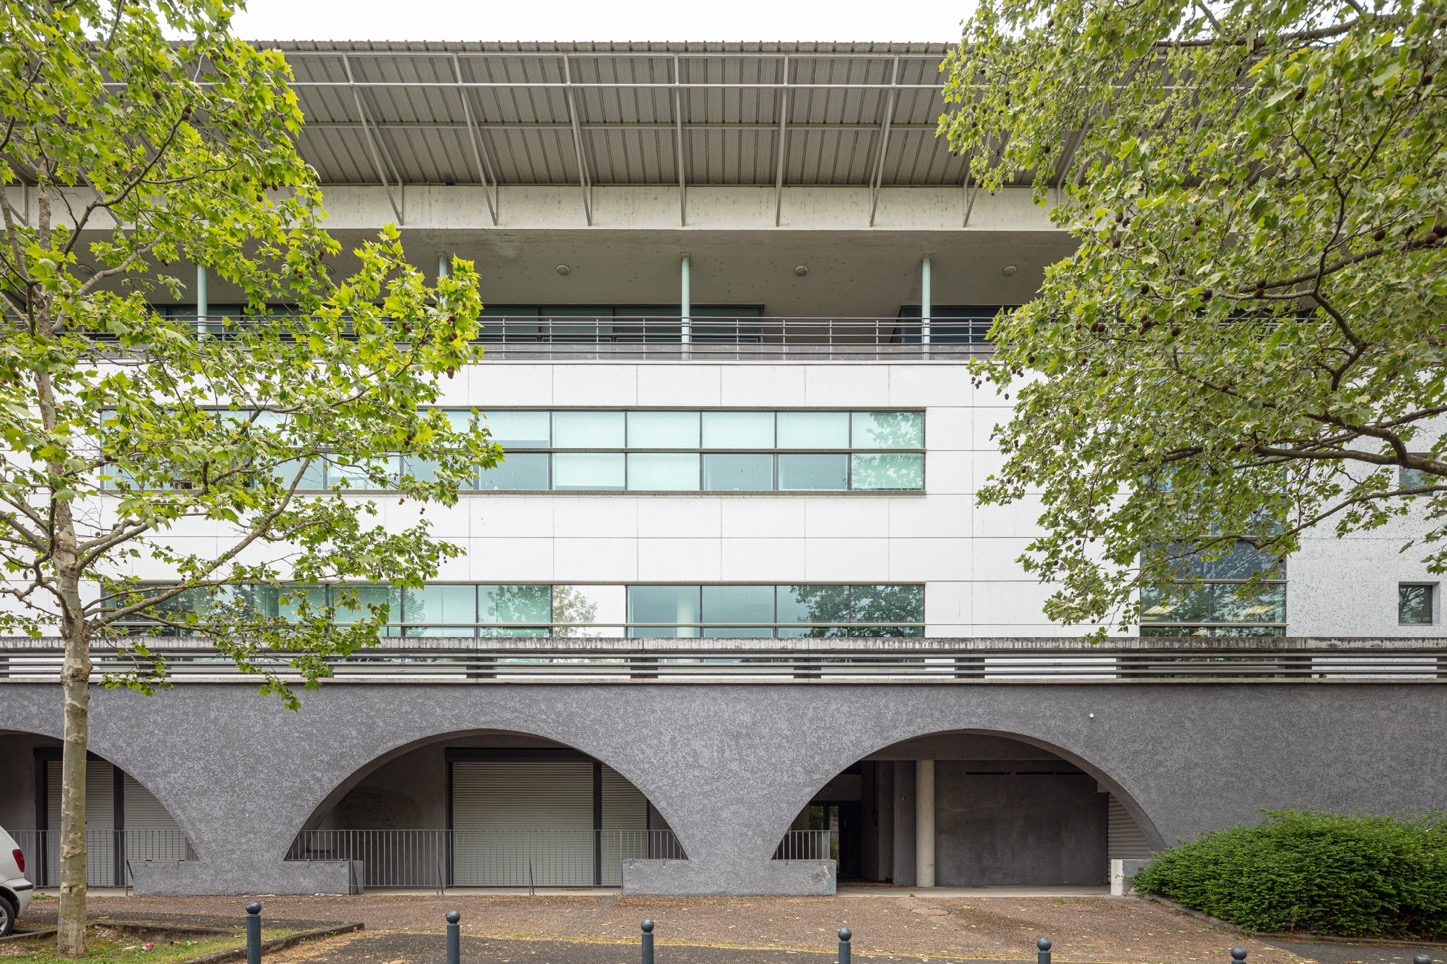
(858, 386)
(606, 516)
(595, 560)
(948, 472)
(761, 386)
(680, 386)
(693, 517)
(950, 429)
(764, 515)
(854, 515)
(763, 560)
(679, 560)
(511, 560)
(595, 385)
(510, 385)
(846, 560)
(929, 383)
(922, 560)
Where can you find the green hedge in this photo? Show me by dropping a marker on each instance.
(1349, 876)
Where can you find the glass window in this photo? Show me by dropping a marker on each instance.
(312, 472)
(887, 605)
(1267, 605)
(1416, 478)
(356, 476)
(284, 602)
(663, 430)
(813, 604)
(355, 601)
(813, 472)
(525, 471)
(446, 610)
(520, 430)
(503, 608)
(1414, 604)
(589, 610)
(889, 430)
(667, 606)
(738, 430)
(663, 471)
(738, 604)
(813, 430)
(896, 470)
(588, 430)
(602, 471)
(738, 473)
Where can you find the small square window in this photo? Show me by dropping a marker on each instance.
(1415, 603)
(1415, 478)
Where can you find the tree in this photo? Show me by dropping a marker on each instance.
(1248, 341)
(122, 153)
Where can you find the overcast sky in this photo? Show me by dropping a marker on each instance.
(787, 20)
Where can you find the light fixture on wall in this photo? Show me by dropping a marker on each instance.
(1009, 270)
(564, 270)
(801, 270)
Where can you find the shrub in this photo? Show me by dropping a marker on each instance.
(1348, 876)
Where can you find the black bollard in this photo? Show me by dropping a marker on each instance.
(454, 938)
(1238, 955)
(647, 926)
(1422, 959)
(1042, 954)
(844, 935)
(253, 933)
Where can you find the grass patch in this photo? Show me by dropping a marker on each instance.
(109, 943)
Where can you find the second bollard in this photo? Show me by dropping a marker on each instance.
(647, 926)
(253, 933)
(845, 935)
(1042, 955)
(1238, 955)
(454, 938)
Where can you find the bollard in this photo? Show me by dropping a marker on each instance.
(1238, 955)
(454, 938)
(1422, 959)
(1042, 954)
(844, 935)
(647, 926)
(253, 933)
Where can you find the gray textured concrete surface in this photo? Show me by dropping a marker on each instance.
(730, 766)
(1018, 828)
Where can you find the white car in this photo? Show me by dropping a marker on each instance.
(15, 890)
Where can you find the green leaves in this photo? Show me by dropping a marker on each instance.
(1247, 341)
(125, 430)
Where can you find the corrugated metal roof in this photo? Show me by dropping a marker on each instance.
(636, 113)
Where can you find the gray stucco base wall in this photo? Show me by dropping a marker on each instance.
(730, 766)
(241, 876)
(795, 878)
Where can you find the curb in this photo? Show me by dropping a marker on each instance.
(275, 944)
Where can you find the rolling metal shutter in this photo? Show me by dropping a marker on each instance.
(625, 826)
(1124, 838)
(100, 838)
(522, 823)
(151, 834)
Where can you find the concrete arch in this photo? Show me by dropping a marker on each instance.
(1121, 793)
(351, 781)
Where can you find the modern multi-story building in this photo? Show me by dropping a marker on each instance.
(729, 619)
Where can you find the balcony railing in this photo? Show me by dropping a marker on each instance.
(439, 859)
(110, 854)
(675, 338)
(793, 660)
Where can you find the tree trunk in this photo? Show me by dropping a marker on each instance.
(75, 682)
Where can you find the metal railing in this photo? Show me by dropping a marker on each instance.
(793, 660)
(693, 338)
(439, 859)
(806, 845)
(110, 854)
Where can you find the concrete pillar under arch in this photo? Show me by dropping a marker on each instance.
(924, 823)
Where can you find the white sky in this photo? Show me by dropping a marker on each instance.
(566, 20)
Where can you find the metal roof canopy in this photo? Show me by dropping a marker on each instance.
(677, 114)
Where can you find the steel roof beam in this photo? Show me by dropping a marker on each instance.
(669, 126)
(878, 178)
(583, 179)
(783, 144)
(678, 142)
(492, 194)
(399, 204)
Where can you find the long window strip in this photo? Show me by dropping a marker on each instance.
(798, 451)
(1159, 623)
(832, 609)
